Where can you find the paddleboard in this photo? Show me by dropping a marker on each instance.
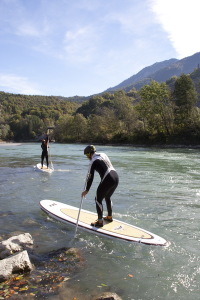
(116, 229)
(44, 169)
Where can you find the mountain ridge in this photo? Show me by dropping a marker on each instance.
(160, 72)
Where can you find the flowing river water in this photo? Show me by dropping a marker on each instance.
(159, 191)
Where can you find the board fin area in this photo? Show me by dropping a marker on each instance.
(39, 168)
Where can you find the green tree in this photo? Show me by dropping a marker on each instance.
(185, 97)
(126, 113)
(91, 106)
(79, 128)
(102, 128)
(156, 108)
(5, 132)
(62, 130)
(184, 92)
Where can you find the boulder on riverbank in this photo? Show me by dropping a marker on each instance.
(17, 263)
(107, 296)
(10, 262)
(47, 274)
(51, 271)
(15, 244)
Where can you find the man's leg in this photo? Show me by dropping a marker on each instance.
(42, 159)
(112, 183)
(105, 190)
(99, 206)
(47, 160)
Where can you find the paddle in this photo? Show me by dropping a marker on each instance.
(51, 164)
(48, 134)
(81, 203)
(78, 215)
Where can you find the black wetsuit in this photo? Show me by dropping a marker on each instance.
(44, 147)
(109, 181)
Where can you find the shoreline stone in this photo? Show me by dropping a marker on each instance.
(47, 273)
(15, 244)
(107, 296)
(18, 263)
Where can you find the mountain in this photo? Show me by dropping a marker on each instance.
(160, 72)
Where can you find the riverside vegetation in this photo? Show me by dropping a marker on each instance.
(158, 113)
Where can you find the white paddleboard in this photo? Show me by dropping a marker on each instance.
(44, 169)
(116, 229)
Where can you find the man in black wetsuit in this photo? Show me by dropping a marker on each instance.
(109, 182)
(44, 147)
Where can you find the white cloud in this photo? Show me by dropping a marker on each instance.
(16, 84)
(130, 20)
(180, 19)
(88, 5)
(27, 29)
(80, 44)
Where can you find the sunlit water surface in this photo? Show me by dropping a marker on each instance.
(159, 190)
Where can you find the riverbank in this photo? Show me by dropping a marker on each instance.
(9, 144)
(26, 274)
(162, 146)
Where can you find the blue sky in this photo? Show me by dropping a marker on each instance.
(83, 47)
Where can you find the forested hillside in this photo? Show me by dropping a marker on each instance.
(25, 118)
(159, 113)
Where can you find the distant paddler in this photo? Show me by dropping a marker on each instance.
(44, 147)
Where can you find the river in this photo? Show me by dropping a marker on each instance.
(159, 191)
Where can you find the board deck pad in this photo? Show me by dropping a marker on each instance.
(115, 226)
(116, 229)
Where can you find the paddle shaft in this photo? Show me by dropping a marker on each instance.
(48, 149)
(81, 205)
(52, 167)
(78, 215)
(48, 134)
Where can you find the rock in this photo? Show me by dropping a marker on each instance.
(107, 296)
(17, 263)
(6, 213)
(15, 244)
(61, 261)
